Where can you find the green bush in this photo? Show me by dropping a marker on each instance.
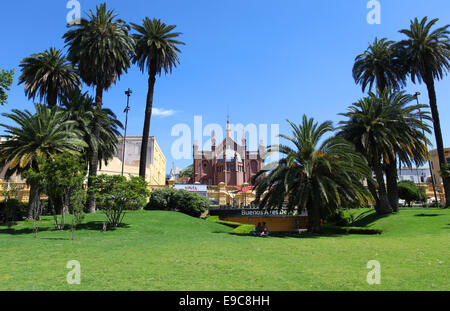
(169, 199)
(350, 230)
(12, 210)
(340, 218)
(409, 191)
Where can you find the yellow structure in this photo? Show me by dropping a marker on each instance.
(435, 167)
(156, 161)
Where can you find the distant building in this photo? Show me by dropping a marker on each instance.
(435, 167)
(227, 162)
(156, 161)
(417, 175)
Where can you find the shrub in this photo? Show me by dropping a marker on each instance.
(169, 199)
(115, 194)
(12, 210)
(340, 218)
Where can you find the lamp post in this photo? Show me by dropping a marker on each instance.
(128, 93)
(429, 162)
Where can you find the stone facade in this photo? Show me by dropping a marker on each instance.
(228, 162)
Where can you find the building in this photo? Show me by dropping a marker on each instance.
(228, 162)
(435, 166)
(156, 161)
(417, 175)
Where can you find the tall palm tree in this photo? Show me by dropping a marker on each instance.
(48, 75)
(380, 65)
(315, 174)
(101, 48)
(426, 54)
(81, 108)
(410, 146)
(156, 51)
(40, 135)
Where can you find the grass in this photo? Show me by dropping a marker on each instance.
(158, 250)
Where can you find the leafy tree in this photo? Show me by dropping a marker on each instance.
(426, 54)
(379, 64)
(61, 178)
(6, 79)
(156, 51)
(169, 199)
(314, 175)
(115, 194)
(100, 47)
(48, 75)
(188, 172)
(410, 192)
(40, 135)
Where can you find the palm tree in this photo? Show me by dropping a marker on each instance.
(101, 48)
(156, 50)
(410, 145)
(379, 64)
(314, 176)
(81, 108)
(384, 127)
(38, 136)
(48, 75)
(426, 54)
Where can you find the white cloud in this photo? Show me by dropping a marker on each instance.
(163, 112)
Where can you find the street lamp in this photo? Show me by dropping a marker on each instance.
(429, 162)
(128, 93)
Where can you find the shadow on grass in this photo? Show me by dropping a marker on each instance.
(92, 225)
(428, 215)
(368, 219)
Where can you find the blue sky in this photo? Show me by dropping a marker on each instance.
(259, 61)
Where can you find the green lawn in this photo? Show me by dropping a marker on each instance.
(172, 251)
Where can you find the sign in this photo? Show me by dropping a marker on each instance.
(235, 212)
(200, 189)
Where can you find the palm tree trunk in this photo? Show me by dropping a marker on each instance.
(384, 206)
(314, 219)
(391, 181)
(93, 161)
(148, 115)
(437, 131)
(373, 191)
(52, 99)
(34, 198)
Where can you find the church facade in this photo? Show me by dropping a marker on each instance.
(227, 162)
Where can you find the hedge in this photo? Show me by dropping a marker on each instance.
(216, 219)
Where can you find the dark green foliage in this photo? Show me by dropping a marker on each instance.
(6, 79)
(316, 174)
(410, 192)
(48, 75)
(12, 210)
(169, 199)
(115, 194)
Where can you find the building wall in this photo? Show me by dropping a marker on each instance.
(435, 166)
(156, 161)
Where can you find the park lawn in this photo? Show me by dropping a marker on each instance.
(159, 250)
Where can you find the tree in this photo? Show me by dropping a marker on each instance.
(410, 192)
(81, 108)
(408, 122)
(39, 136)
(312, 175)
(48, 75)
(426, 54)
(379, 64)
(366, 128)
(115, 194)
(6, 79)
(187, 172)
(100, 47)
(156, 51)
